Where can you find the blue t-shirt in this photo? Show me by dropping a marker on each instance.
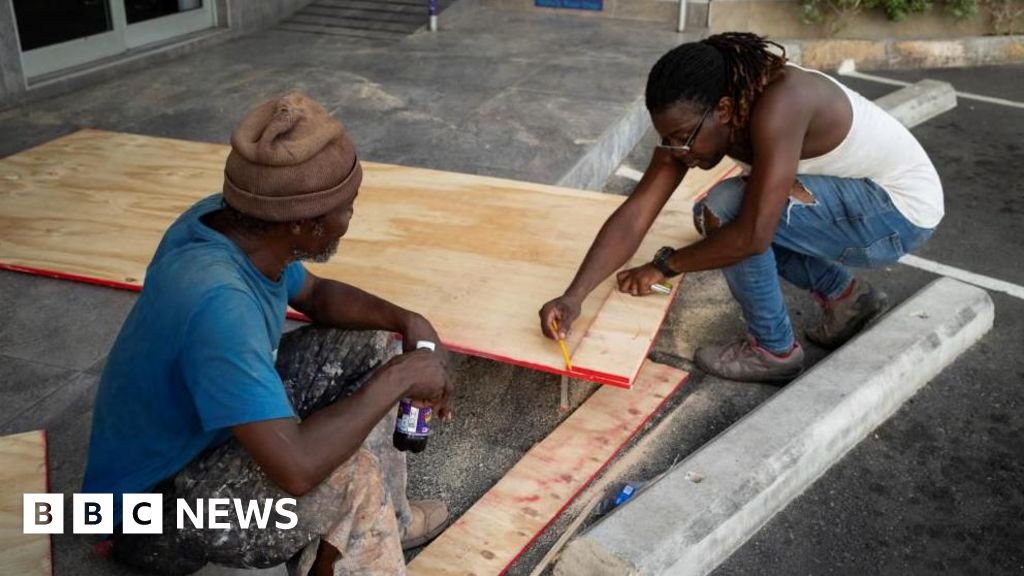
(194, 358)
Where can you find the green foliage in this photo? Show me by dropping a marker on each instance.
(836, 14)
(962, 9)
(897, 10)
(833, 14)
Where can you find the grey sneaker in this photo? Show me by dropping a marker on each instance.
(842, 320)
(745, 361)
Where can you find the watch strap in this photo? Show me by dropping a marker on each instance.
(661, 262)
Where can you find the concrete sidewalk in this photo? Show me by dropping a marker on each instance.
(515, 95)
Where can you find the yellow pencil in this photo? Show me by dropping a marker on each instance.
(561, 342)
(662, 287)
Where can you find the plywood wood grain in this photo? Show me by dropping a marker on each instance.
(476, 255)
(499, 527)
(22, 471)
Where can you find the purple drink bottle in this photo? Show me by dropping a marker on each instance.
(412, 427)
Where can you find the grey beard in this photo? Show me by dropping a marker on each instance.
(320, 258)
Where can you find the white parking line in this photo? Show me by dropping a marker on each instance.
(627, 172)
(964, 276)
(847, 68)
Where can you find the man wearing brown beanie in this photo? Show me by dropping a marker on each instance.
(202, 398)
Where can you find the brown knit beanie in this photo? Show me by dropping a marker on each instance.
(290, 160)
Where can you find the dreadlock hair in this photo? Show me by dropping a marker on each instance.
(734, 64)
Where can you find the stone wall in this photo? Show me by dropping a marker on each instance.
(893, 54)
(780, 19)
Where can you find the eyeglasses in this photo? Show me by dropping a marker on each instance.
(685, 148)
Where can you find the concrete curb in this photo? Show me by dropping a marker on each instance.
(704, 509)
(896, 54)
(595, 167)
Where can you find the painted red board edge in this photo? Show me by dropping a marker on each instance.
(590, 480)
(71, 277)
(581, 373)
(602, 378)
(618, 450)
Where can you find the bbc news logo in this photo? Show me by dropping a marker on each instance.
(144, 513)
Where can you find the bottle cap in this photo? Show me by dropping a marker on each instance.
(421, 344)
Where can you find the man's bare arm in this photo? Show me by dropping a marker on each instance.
(777, 133)
(618, 239)
(297, 456)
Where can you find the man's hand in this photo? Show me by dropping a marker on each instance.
(564, 310)
(418, 328)
(297, 456)
(638, 281)
(422, 374)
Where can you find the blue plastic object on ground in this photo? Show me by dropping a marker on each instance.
(617, 495)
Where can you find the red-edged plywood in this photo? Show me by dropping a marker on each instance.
(496, 530)
(478, 256)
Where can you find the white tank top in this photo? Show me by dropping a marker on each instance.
(880, 148)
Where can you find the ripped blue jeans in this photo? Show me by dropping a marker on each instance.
(848, 222)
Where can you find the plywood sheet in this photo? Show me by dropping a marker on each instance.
(476, 255)
(503, 523)
(22, 471)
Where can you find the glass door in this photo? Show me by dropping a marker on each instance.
(59, 34)
(150, 21)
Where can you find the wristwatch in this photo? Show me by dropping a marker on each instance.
(661, 258)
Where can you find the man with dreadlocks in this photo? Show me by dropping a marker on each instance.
(830, 181)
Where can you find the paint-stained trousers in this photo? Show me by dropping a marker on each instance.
(360, 509)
